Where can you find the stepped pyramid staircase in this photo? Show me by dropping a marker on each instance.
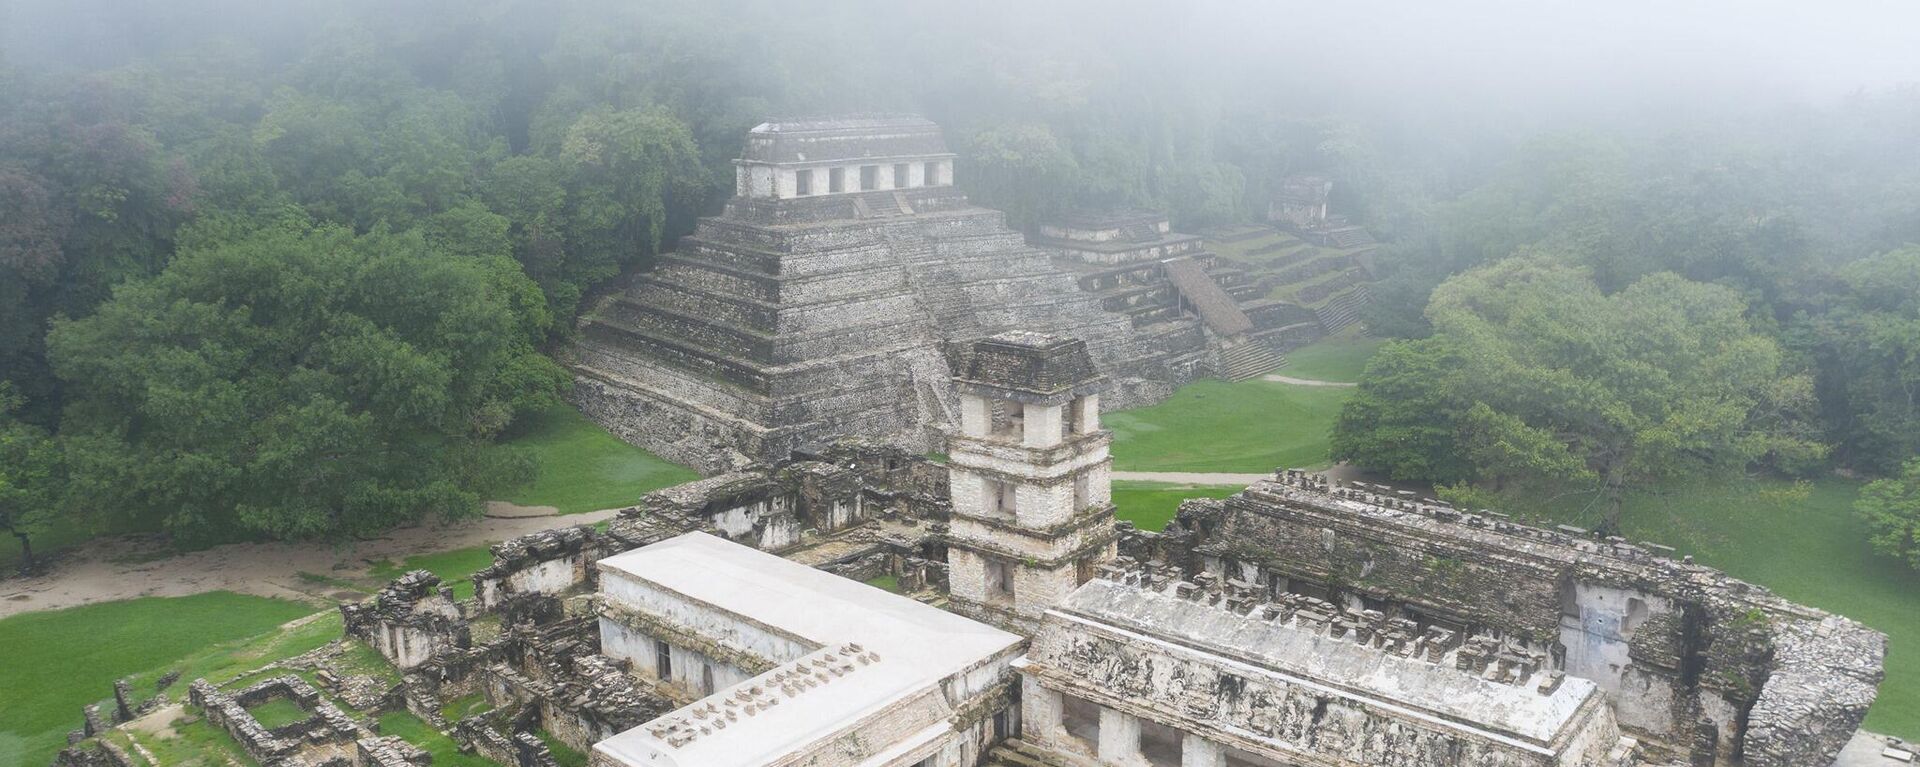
(1241, 356)
(1249, 359)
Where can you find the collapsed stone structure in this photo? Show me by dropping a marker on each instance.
(1698, 667)
(1302, 622)
(824, 300)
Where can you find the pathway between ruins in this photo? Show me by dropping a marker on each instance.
(1277, 378)
(92, 574)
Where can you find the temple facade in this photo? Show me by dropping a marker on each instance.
(826, 299)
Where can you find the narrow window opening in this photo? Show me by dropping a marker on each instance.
(836, 180)
(932, 172)
(802, 183)
(999, 582)
(663, 660)
(869, 178)
(902, 176)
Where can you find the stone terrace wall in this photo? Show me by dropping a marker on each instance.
(1710, 667)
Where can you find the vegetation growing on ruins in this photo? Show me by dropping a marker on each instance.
(52, 672)
(1802, 541)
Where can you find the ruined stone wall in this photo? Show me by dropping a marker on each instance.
(1686, 654)
(409, 621)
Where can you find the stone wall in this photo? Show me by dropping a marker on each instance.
(409, 621)
(1701, 665)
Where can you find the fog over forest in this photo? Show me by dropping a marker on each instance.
(1766, 149)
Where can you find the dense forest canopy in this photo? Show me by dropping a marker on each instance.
(285, 268)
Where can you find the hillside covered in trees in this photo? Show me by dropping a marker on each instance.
(288, 269)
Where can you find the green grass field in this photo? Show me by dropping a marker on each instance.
(1812, 551)
(582, 467)
(455, 567)
(1333, 359)
(416, 731)
(1151, 505)
(55, 662)
(1251, 426)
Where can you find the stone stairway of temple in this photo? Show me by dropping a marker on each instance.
(883, 204)
(1214, 305)
(933, 281)
(1140, 232)
(1249, 359)
(1343, 309)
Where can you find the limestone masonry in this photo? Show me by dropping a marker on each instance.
(832, 294)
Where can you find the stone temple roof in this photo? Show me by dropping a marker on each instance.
(1025, 362)
(840, 139)
(876, 659)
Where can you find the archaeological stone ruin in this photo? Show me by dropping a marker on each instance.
(846, 273)
(832, 595)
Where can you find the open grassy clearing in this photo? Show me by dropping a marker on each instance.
(1151, 505)
(57, 662)
(1340, 358)
(1251, 427)
(582, 467)
(1801, 541)
(278, 712)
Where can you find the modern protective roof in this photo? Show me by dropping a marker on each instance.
(876, 650)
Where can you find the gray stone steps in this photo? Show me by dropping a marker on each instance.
(1249, 360)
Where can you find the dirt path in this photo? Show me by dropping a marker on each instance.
(91, 574)
(1277, 378)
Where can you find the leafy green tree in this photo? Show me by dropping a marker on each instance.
(32, 478)
(1023, 169)
(1868, 345)
(630, 171)
(302, 383)
(1891, 509)
(1541, 377)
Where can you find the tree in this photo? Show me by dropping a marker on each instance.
(31, 479)
(1891, 509)
(1533, 375)
(1868, 346)
(302, 382)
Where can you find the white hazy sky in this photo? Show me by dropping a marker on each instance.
(1814, 49)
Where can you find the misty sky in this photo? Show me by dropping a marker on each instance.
(1809, 49)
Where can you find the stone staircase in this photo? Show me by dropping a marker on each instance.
(1140, 233)
(1343, 309)
(1014, 752)
(948, 306)
(1248, 359)
(881, 205)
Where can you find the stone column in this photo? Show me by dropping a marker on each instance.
(1196, 751)
(1120, 738)
(1041, 711)
(1042, 425)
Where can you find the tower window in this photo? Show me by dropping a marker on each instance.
(999, 582)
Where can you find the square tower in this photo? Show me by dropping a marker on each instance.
(1029, 476)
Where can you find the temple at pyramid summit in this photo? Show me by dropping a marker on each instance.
(824, 300)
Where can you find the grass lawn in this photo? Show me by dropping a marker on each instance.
(1249, 427)
(445, 753)
(1151, 505)
(58, 661)
(563, 753)
(455, 567)
(1332, 359)
(582, 467)
(888, 582)
(1812, 551)
(278, 712)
